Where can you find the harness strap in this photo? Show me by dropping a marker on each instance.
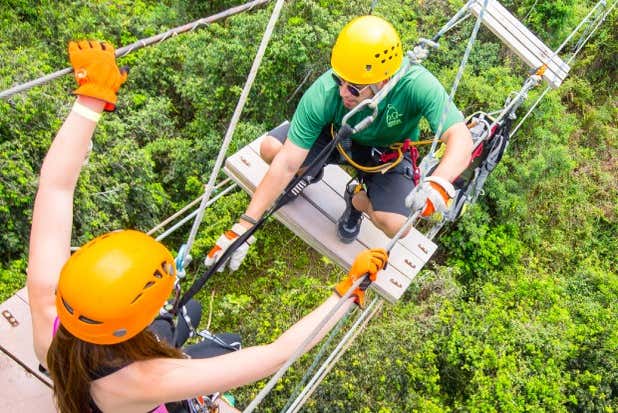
(389, 159)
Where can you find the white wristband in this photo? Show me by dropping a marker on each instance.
(86, 112)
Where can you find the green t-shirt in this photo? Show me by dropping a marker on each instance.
(417, 94)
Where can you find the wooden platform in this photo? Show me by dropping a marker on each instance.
(313, 217)
(522, 41)
(22, 387)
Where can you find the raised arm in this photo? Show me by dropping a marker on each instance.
(50, 236)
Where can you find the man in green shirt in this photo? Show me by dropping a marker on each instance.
(366, 55)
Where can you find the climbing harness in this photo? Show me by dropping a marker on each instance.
(386, 160)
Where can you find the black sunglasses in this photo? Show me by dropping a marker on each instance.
(355, 90)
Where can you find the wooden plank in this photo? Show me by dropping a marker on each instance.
(336, 179)
(415, 242)
(23, 294)
(312, 216)
(16, 339)
(502, 19)
(522, 41)
(20, 391)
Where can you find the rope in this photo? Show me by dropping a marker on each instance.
(460, 16)
(316, 359)
(194, 213)
(232, 127)
(358, 327)
(184, 209)
(123, 51)
(460, 71)
(301, 348)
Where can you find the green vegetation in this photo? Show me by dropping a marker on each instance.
(519, 311)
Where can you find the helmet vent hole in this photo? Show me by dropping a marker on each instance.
(136, 298)
(88, 320)
(67, 306)
(377, 55)
(149, 284)
(368, 68)
(168, 268)
(157, 274)
(386, 51)
(120, 332)
(383, 61)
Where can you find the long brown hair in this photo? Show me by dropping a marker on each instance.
(74, 363)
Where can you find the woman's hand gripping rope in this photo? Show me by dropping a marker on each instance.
(367, 263)
(96, 71)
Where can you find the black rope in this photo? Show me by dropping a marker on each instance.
(294, 188)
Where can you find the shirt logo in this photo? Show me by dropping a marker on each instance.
(393, 118)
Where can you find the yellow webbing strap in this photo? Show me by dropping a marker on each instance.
(379, 168)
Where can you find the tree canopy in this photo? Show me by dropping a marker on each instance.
(519, 309)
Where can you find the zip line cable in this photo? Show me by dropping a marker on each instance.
(232, 127)
(460, 71)
(123, 51)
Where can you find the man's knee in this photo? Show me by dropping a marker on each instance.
(269, 148)
(389, 222)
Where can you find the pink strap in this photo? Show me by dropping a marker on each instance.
(56, 325)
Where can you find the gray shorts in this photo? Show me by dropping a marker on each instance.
(387, 192)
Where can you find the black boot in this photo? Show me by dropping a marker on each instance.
(349, 224)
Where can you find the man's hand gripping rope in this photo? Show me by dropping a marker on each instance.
(433, 194)
(223, 243)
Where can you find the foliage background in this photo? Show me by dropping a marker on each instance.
(519, 310)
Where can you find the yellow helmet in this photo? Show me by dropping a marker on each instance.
(113, 287)
(367, 50)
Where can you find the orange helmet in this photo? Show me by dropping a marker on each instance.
(113, 287)
(367, 50)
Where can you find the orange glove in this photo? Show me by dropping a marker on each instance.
(96, 72)
(368, 262)
(433, 194)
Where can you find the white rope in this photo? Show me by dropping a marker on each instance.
(576, 29)
(462, 66)
(358, 327)
(194, 213)
(232, 127)
(169, 219)
(123, 51)
(301, 348)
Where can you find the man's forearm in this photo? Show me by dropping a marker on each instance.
(458, 152)
(274, 182)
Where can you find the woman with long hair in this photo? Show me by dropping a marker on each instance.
(91, 310)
